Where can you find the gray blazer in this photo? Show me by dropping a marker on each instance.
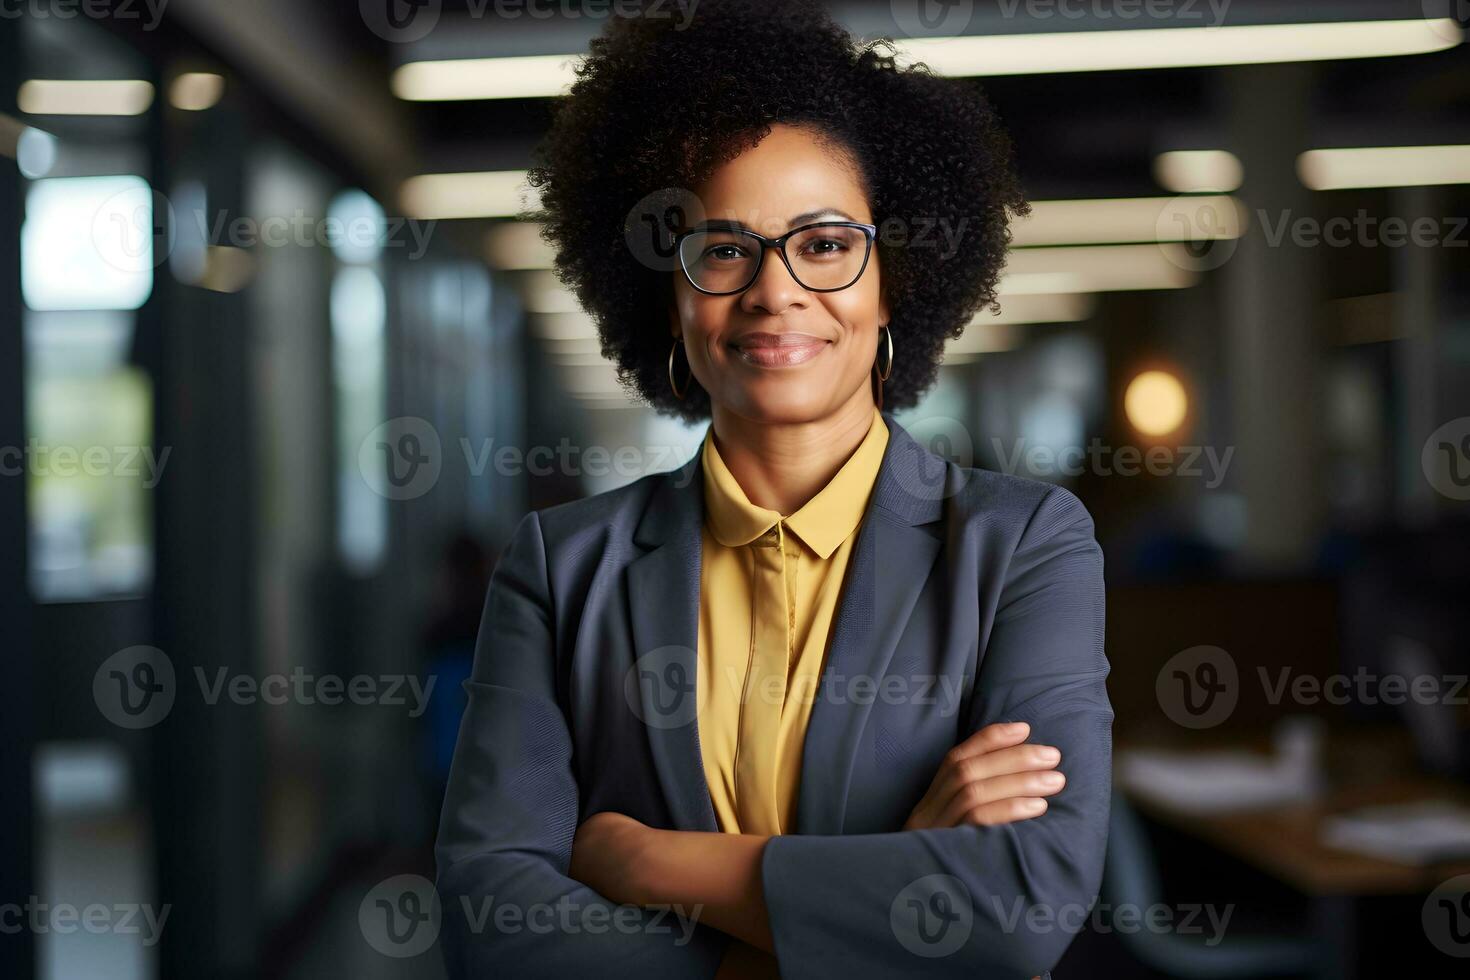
(972, 597)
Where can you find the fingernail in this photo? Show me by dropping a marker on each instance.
(1049, 754)
(1051, 779)
(1036, 806)
(1017, 727)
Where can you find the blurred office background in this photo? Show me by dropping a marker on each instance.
(273, 350)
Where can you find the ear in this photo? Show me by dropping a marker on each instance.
(884, 315)
(676, 329)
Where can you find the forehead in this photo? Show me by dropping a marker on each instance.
(792, 172)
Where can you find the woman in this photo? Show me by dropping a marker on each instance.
(818, 700)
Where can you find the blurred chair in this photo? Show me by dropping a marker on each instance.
(1131, 878)
(1434, 723)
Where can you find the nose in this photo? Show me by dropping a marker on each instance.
(774, 290)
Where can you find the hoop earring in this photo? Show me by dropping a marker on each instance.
(881, 376)
(678, 342)
(887, 335)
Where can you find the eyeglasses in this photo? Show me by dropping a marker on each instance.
(822, 257)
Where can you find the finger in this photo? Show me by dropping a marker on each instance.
(1005, 811)
(1016, 758)
(988, 739)
(1021, 785)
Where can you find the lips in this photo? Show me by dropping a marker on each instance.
(778, 349)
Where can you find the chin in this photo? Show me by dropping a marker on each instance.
(786, 401)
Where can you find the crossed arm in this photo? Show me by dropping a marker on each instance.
(989, 779)
(826, 905)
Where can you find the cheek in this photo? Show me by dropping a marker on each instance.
(701, 318)
(859, 313)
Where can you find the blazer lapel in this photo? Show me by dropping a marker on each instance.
(889, 567)
(876, 601)
(663, 607)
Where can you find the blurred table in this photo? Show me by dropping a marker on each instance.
(1364, 768)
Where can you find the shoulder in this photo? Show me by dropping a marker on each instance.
(605, 519)
(1016, 507)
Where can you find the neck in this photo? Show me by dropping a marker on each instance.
(782, 465)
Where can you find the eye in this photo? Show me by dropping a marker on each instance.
(821, 245)
(724, 252)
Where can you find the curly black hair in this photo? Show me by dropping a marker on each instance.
(661, 101)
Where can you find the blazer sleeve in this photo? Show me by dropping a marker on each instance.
(972, 901)
(511, 810)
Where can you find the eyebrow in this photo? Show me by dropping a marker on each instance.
(796, 221)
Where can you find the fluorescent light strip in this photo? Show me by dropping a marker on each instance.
(520, 77)
(1179, 47)
(982, 338)
(1129, 220)
(572, 347)
(1094, 268)
(541, 292)
(1384, 166)
(488, 194)
(1193, 171)
(69, 97)
(518, 245)
(1036, 308)
(542, 76)
(196, 91)
(990, 333)
(591, 379)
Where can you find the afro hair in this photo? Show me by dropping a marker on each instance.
(663, 99)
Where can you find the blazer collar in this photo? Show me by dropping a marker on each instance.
(910, 488)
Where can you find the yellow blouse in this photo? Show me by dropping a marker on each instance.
(768, 594)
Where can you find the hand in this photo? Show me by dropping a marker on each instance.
(990, 778)
(607, 856)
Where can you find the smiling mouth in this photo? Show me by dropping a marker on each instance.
(778, 350)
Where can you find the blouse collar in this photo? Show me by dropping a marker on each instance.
(823, 522)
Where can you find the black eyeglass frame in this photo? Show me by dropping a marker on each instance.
(779, 244)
